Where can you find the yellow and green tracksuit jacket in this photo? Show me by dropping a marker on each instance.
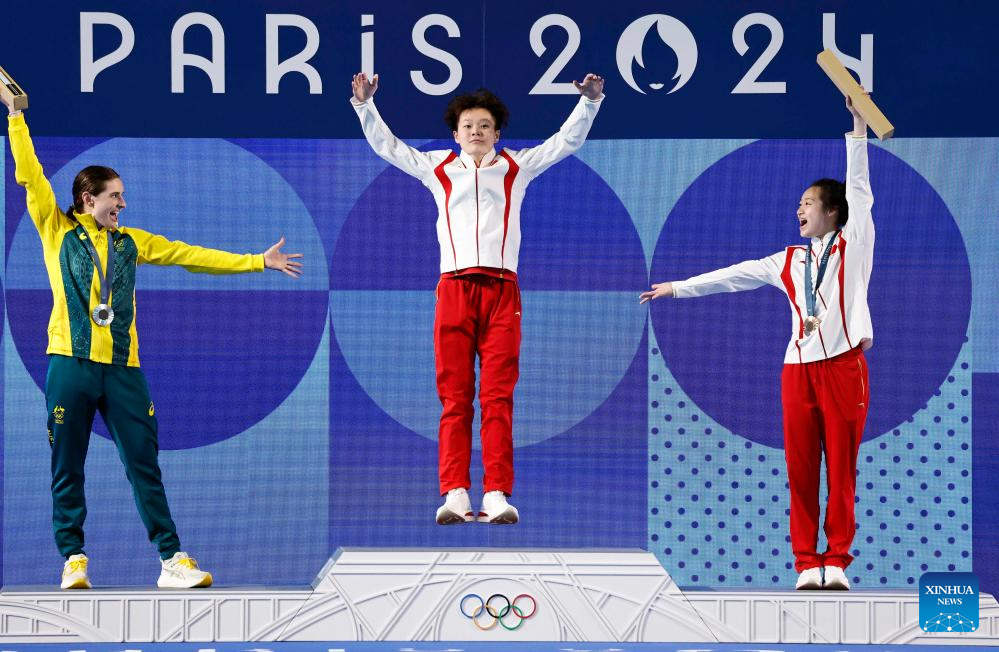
(73, 276)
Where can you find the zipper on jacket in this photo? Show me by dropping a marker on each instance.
(476, 215)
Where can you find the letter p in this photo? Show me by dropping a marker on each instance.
(89, 69)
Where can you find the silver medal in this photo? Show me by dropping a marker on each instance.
(103, 315)
(811, 323)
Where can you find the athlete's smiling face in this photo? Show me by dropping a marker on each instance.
(106, 205)
(476, 132)
(814, 219)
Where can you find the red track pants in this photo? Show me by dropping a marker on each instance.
(476, 314)
(825, 407)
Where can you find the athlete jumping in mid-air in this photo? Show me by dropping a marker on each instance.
(478, 192)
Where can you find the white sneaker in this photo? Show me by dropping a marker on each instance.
(457, 508)
(496, 510)
(182, 572)
(810, 579)
(836, 579)
(74, 573)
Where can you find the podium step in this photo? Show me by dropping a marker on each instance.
(479, 595)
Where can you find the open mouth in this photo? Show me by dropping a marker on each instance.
(802, 223)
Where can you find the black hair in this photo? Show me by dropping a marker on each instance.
(480, 99)
(832, 194)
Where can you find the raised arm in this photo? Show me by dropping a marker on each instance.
(860, 199)
(157, 250)
(571, 135)
(747, 275)
(408, 159)
(42, 206)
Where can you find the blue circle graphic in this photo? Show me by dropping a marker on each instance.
(581, 324)
(220, 352)
(726, 350)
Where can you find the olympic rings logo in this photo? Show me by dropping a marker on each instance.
(516, 606)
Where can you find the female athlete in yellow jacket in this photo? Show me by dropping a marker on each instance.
(93, 347)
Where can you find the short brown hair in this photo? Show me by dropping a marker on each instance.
(93, 179)
(480, 99)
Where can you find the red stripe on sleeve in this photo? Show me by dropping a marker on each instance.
(446, 184)
(842, 280)
(511, 174)
(785, 276)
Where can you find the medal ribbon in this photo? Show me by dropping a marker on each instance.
(809, 292)
(92, 250)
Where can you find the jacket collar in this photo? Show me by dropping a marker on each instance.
(469, 160)
(822, 240)
(88, 222)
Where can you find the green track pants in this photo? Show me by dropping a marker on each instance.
(74, 390)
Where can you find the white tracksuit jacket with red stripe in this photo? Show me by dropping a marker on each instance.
(841, 304)
(478, 208)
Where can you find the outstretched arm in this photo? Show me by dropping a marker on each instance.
(747, 275)
(860, 226)
(42, 206)
(571, 136)
(157, 250)
(379, 136)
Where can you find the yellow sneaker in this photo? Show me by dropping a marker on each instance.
(182, 572)
(74, 573)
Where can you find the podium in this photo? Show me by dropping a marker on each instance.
(425, 595)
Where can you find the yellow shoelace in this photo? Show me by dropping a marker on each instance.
(76, 566)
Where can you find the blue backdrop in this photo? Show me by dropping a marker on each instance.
(299, 416)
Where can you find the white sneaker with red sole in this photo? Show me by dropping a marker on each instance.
(457, 508)
(496, 510)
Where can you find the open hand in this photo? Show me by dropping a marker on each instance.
(658, 291)
(274, 259)
(364, 89)
(592, 86)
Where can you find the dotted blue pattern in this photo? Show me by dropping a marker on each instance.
(718, 503)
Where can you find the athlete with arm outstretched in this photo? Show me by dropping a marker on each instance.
(824, 382)
(93, 347)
